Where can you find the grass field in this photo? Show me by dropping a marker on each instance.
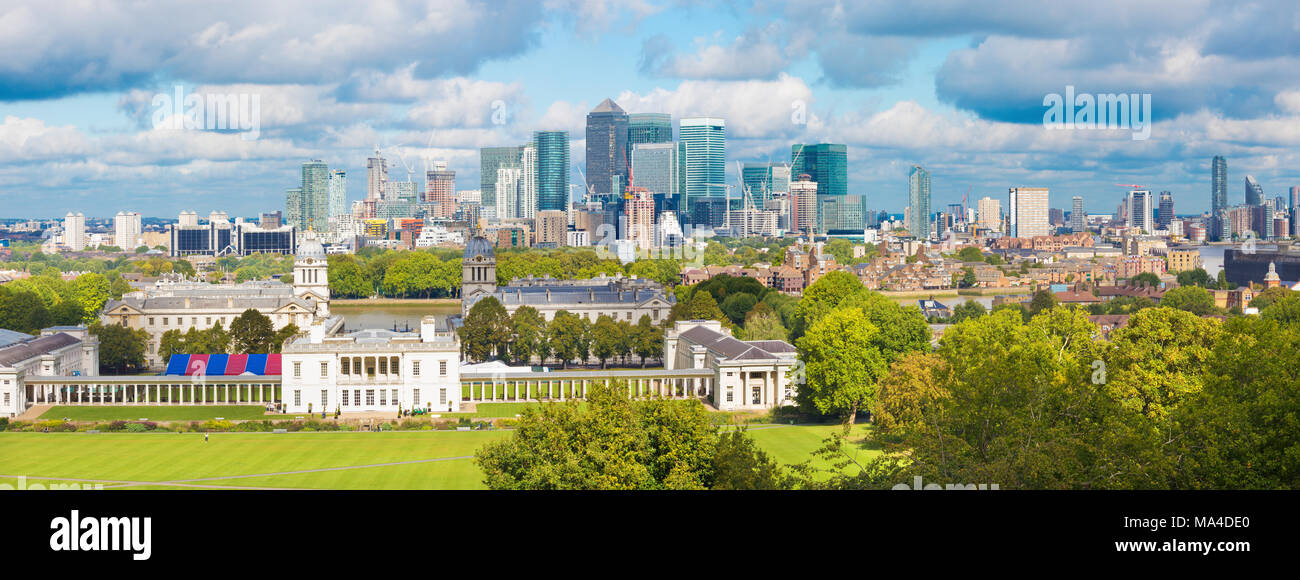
(323, 460)
(161, 413)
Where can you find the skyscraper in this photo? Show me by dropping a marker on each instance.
(440, 190)
(315, 198)
(1295, 196)
(918, 186)
(509, 184)
(607, 155)
(126, 230)
(649, 128)
(1166, 215)
(552, 173)
(990, 213)
(827, 163)
(527, 202)
(1078, 218)
(705, 142)
(1254, 191)
(74, 231)
(1139, 211)
(1027, 209)
(490, 160)
(338, 203)
(376, 176)
(803, 205)
(764, 180)
(655, 167)
(1219, 227)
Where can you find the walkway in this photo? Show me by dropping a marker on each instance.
(34, 412)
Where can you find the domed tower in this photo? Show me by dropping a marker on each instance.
(1271, 279)
(310, 275)
(479, 270)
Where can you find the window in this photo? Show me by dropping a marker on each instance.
(345, 398)
(730, 397)
(383, 397)
(344, 366)
(415, 397)
(208, 320)
(356, 396)
(324, 400)
(297, 369)
(370, 396)
(383, 365)
(324, 369)
(194, 321)
(394, 396)
(297, 398)
(415, 371)
(151, 323)
(442, 368)
(6, 397)
(442, 396)
(757, 395)
(164, 321)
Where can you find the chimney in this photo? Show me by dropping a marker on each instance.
(428, 329)
(317, 332)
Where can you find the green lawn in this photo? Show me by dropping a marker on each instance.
(795, 444)
(260, 459)
(161, 413)
(498, 410)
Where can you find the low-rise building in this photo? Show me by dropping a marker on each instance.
(58, 351)
(747, 374)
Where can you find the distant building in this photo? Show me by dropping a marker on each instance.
(58, 351)
(990, 213)
(126, 230)
(1027, 212)
(607, 148)
(552, 171)
(649, 128)
(918, 186)
(74, 231)
(748, 374)
(827, 163)
(704, 145)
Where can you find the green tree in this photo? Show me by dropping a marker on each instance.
(606, 339)
(120, 348)
(252, 333)
(842, 363)
(1146, 279)
(736, 306)
(648, 339)
(967, 310)
(1156, 360)
(486, 330)
(172, 342)
(23, 311)
(970, 254)
(529, 330)
(1197, 277)
(564, 333)
(1191, 299)
(91, 291)
(347, 279)
(1042, 300)
(217, 339)
(910, 392)
(828, 292)
(277, 341)
(763, 323)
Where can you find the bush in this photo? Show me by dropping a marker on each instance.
(136, 428)
(216, 426)
(444, 426)
(54, 426)
(4, 423)
(507, 423)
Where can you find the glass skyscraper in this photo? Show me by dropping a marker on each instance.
(649, 128)
(314, 198)
(1218, 184)
(704, 140)
(552, 169)
(607, 154)
(827, 163)
(918, 185)
(338, 202)
(655, 166)
(763, 180)
(490, 160)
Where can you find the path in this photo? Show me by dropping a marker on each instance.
(34, 412)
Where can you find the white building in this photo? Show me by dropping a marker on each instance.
(372, 370)
(1027, 212)
(748, 374)
(74, 231)
(58, 351)
(126, 230)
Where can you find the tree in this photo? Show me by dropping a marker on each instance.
(967, 310)
(841, 363)
(738, 463)
(172, 342)
(529, 330)
(217, 339)
(830, 291)
(277, 342)
(1146, 279)
(606, 339)
(763, 323)
(1042, 300)
(970, 254)
(347, 279)
(252, 333)
(1191, 299)
(1156, 361)
(910, 392)
(736, 306)
(91, 291)
(120, 348)
(564, 334)
(1269, 296)
(648, 339)
(486, 330)
(22, 311)
(1196, 277)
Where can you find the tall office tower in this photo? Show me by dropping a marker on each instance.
(1166, 215)
(491, 159)
(607, 154)
(1139, 211)
(649, 128)
(1218, 184)
(640, 214)
(705, 159)
(827, 163)
(338, 204)
(315, 196)
(440, 190)
(765, 180)
(655, 167)
(552, 173)
(376, 176)
(126, 230)
(74, 231)
(1078, 217)
(509, 184)
(1295, 196)
(1254, 191)
(1027, 212)
(918, 186)
(803, 205)
(293, 208)
(990, 213)
(529, 182)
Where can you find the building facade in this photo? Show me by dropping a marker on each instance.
(58, 351)
(607, 154)
(748, 374)
(1027, 212)
(704, 157)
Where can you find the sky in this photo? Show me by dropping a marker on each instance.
(958, 88)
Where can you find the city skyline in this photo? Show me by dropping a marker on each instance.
(949, 94)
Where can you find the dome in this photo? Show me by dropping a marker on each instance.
(310, 248)
(478, 246)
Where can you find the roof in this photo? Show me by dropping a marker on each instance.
(34, 347)
(607, 106)
(310, 248)
(478, 246)
(223, 364)
(734, 349)
(8, 337)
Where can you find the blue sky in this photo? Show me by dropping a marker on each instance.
(959, 91)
